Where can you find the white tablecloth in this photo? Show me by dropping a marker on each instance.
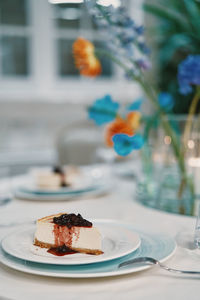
(152, 284)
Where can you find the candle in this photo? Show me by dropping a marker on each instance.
(194, 169)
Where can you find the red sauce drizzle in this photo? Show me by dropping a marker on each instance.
(63, 235)
(67, 227)
(61, 251)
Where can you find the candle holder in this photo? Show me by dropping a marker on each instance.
(193, 160)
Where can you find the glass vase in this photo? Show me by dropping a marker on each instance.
(162, 184)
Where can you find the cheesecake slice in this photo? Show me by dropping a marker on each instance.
(67, 233)
(56, 177)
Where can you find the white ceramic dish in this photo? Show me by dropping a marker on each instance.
(158, 246)
(117, 241)
(92, 180)
(104, 188)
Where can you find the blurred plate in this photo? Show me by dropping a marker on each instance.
(104, 188)
(92, 180)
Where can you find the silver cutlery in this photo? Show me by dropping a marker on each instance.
(152, 261)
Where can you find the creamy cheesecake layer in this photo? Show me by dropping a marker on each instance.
(47, 179)
(45, 233)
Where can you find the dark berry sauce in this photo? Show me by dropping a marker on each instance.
(61, 251)
(71, 220)
(58, 170)
(64, 184)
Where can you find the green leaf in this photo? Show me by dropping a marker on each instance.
(176, 127)
(166, 13)
(151, 122)
(193, 12)
(175, 42)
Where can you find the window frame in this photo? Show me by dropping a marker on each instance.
(44, 84)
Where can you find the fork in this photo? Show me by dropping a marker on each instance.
(153, 261)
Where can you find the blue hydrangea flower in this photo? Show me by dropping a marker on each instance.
(126, 36)
(125, 144)
(123, 34)
(189, 73)
(129, 74)
(166, 100)
(103, 110)
(135, 105)
(143, 64)
(143, 47)
(139, 29)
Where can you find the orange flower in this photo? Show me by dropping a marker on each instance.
(85, 59)
(118, 126)
(133, 119)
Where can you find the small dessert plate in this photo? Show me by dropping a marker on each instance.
(90, 180)
(158, 246)
(117, 241)
(86, 179)
(95, 191)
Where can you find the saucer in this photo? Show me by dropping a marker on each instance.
(157, 246)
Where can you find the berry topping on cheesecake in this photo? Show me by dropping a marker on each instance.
(71, 220)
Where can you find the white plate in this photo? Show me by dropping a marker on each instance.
(94, 180)
(90, 177)
(158, 246)
(117, 241)
(101, 189)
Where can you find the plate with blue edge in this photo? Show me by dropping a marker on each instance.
(158, 246)
(117, 241)
(93, 180)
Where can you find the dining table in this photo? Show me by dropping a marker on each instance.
(119, 203)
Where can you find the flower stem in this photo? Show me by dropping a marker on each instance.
(190, 117)
(103, 52)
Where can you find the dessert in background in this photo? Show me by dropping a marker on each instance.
(56, 177)
(66, 233)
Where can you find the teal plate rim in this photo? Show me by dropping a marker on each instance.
(158, 246)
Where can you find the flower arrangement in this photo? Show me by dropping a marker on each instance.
(174, 31)
(127, 48)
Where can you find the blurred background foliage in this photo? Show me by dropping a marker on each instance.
(175, 33)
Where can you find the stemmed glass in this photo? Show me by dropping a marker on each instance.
(197, 230)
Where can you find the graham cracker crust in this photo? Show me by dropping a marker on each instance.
(88, 251)
(43, 245)
(80, 250)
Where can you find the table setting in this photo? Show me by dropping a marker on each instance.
(129, 231)
(127, 225)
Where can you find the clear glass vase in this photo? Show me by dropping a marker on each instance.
(162, 184)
